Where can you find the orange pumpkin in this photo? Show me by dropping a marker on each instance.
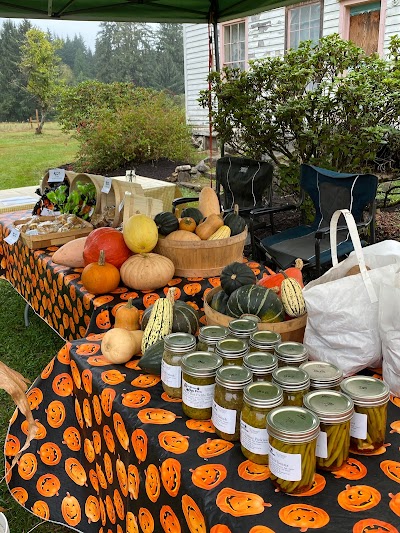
(87, 348)
(113, 377)
(76, 376)
(187, 224)
(110, 509)
(120, 431)
(78, 413)
(391, 469)
(101, 478)
(238, 503)
(303, 516)
(194, 518)
(71, 510)
(88, 450)
(168, 520)
(369, 525)
(208, 476)
(50, 453)
(20, 494)
(146, 520)
(394, 503)
(94, 480)
(139, 443)
(75, 471)
(46, 372)
(133, 481)
(152, 483)
(103, 319)
(351, 469)
(87, 378)
(171, 476)
(122, 476)
(119, 505)
(98, 414)
(35, 398)
(27, 466)
(127, 316)
(253, 471)
(395, 427)
(41, 430)
(358, 498)
(109, 438)
(192, 288)
(136, 399)
(96, 442)
(63, 385)
(106, 399)
(12, 445)
(213, 448)
(201, 425)
(72, 438)
(92, 509)
(41, 509)
(167, 398)
(131, 523)
(55, 414)
(100, 277)
(87, 413)
(48, 485)
(174, 442)
(145, 381)
(154, 415)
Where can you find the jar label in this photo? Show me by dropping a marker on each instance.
(286, 466)
(171, 375)
(197, 396)
(322, 445)
(254, 439)
(223, 419)
(358, 426)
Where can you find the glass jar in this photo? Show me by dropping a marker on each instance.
(368, 425)
(255, 318)
(242, 328)
(293, 433)
(261, 365)
(335, 411)
(291, 353)
(228, 400)
(264, 341)
(209, 336)
(323, 375)
(232, 351)
(198, 383)
(258, 400)
(175, 346)
(295, 383)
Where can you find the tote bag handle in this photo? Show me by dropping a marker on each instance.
(351, 224)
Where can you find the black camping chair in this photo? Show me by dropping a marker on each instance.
(328, 191)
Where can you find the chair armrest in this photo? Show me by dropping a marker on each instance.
(323, 232)
(186, 200)
(269, 210)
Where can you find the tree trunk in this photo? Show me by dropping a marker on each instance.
(39, 128)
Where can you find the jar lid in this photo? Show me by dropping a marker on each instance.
(265, 338)
(201, 363)
(213, 333)
(293, 424)
(230, 348)
(255, 318)
(234, 377)
(177, 342)
(291, 351)
(330, 406)
(259, 362)
(242, 326)
(291, 378)
(322, 373)
(263, 394)
(366, 390)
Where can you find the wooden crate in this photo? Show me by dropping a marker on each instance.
(34, 242)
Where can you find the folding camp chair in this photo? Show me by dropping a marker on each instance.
(328, 191)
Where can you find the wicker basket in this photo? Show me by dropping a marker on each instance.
(290, 330)
(202, 259)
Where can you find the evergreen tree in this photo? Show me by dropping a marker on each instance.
(169, 66)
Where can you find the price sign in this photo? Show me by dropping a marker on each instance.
(107, 185)
(56, 175)
(12, 237)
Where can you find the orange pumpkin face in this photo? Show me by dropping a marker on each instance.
(12, 445)
(41, 509)
(106, 399)
(113, 377)
(98, 415)
(208, 476)
(168, 520)
(391, 469)
(41, 430)
(351, 469)
(50, 453)
(63, 385)
(133, 481)
(394, 503)
(98, 360)
(109, 438)
(202, 426)
(136, 399)
(72, 438)
(122, 476)
(191, 288)
(78, 413)
(92, 509)
(174, 442)
(154, 415)
(87, 380)
(253, 472)
(146, 520)
(88, 450)
(139, 443)
(194, 518)
(20, 494)
(55, 414)
(167, 398)
(101, 478)
(214, 447)
(96, 442)
(395, 427)
(71, 510)
(75, 471)
(303, 516)
(120, 431)
(47, 370)
(35, 398)
(152, 483)
(108, 467)
(150, 298)
(358, 498)
(369, 525)
(63, 355)
(131, 523)
(119, 505)
(103, 319)
(75, 374)
(48, 485)
(94, 480)
(145, 381)
(87, 413)
(110, 509)
(27, 466)
(317, 486)
(171, 476)
(87, 348)
(238, 503)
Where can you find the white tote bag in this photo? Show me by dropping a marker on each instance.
(342, 312)
(389, 328)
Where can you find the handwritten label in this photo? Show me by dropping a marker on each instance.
(197, 396)
(56, 175)
(12, 237)
(107, 185)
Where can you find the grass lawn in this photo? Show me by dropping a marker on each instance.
(25, 156)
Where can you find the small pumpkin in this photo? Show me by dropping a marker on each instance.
(193, 212)
(127, 316)
(236, 275)
(187, 224)
(146, 272)
(234, 221)
(140, 233)
(100, 277)
(111, 241)
(119, 345)
(166, 222)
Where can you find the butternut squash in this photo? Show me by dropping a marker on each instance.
(70, 254)
(209, 202)
(120, 345)
(127, 316)
(210, 225)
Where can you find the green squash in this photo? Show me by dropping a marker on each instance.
(166, 222)
(194, 213)
(151, 360)
(256, 300)
(236, 275)
(219, 302)
(235, 222)
(185, 318)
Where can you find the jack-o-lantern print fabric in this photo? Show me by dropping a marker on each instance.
(115, 454)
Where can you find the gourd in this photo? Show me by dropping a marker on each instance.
(275, 280)
(151, 359)
(210, 225)
(194, 213)
(256, 300)
(187, 224)
(185, 318)
(292, 297)
(235, 221)
(119, 345)
(70, 254)
(222, 233)
(166, 222)
(146, 272)
(140, 233)
(100, 277)
(236, 275)
(111, 241)
(160, 321)
(209, 202)
(219, 302)
(182, 235)
(127, 317)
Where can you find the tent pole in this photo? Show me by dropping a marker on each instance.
(217, 64)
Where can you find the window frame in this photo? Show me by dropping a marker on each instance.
(296, 6)
(222, 27)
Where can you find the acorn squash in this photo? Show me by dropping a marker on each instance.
(256, 300)
(219, 302)
(193, 212)
(151, 359)
(166, 222)
(185, 318)
(236, 275)
(235, 221)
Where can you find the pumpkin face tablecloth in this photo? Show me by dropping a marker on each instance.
(115, 454)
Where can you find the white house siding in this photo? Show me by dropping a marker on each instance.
(266, 34)
(330, 22)
(392, 26)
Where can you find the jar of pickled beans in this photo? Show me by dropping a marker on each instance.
(175, 346)
(323, 375)
(261, 365)
(232, 350)
(293, 434)
(368, 425)
(295, 383)
(209, 336)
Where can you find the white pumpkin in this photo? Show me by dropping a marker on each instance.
(146, 272)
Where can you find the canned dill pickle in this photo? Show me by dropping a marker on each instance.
(209, 336)
(290, 353)
(232, 351)
(295, 383)
(241, 328)
(335, 411)
(368, 425)
(261, 365)
(264, 341)
(293, 433)
(323, 375)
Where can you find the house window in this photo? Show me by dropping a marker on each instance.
(303, 24)
(234, 45)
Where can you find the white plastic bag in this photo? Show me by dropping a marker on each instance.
(342, 312)
(389, 328)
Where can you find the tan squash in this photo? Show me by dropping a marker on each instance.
(119, 345)
(209, 202)
(210, 225)
(70, 254)
(146, 272)
(127, 317)
(182, 235)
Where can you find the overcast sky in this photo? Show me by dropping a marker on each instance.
(64, 28)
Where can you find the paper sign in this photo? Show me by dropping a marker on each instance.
(56, 175)
(12, 237)
(107, 185)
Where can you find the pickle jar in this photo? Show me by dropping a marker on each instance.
(291, 353)
(209, 336)
(368, 425)
(242, 328)
(228, 400)
(258, 400)
(261, 365)
(175, 346)
(232, 350)
(198, 383)
(323, 375)
(293, 434)
(295, 383)
(335, 411)
(264, 341)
